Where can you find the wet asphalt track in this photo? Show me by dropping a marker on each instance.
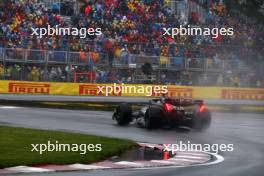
(245, 131)
(63, 98)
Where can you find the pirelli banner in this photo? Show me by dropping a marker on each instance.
(83, 89)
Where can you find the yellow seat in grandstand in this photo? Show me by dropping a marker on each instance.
(2, 71)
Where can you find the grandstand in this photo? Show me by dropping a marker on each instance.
(131, 40)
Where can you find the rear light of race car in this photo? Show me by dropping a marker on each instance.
(201, 108)
(168, 107)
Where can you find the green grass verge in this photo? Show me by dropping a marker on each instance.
(15, 147)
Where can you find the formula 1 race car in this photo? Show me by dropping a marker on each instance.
(170, 112)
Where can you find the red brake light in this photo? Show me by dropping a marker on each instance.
(168, 107)
(202, 108)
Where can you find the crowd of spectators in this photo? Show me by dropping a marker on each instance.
(138, 23)
(132, 27)
(134, 22)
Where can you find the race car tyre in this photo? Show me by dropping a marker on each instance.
(151, 118)
(202, 121)
(122, 114)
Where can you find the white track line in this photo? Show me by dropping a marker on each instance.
(28, 169)
(86, 167)
(8, 107)
(191, 154)
(129, 163)
(184, 160)
(162, 161)
(189, 157)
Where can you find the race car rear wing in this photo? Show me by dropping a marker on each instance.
(178, 101)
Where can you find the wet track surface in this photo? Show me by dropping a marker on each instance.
(245, 131)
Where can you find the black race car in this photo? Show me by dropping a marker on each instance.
(169, 112)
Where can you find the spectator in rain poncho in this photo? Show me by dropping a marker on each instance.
(34, 74)
(44, 75)
(55, 7)
(124, 55)
(15, 73)
(2, 72)
(53, 74)
(235, 81)
(8, 71)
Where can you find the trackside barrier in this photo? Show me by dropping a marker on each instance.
(175, 61)
(35, 56)
(15, 55)
(57, 56)
(80, 89)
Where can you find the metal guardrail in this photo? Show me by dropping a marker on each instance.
(76, 58)
(57, 57)
(35, 56)
(17, 55)
(50, 57)
(127, 60)
(59, 65)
